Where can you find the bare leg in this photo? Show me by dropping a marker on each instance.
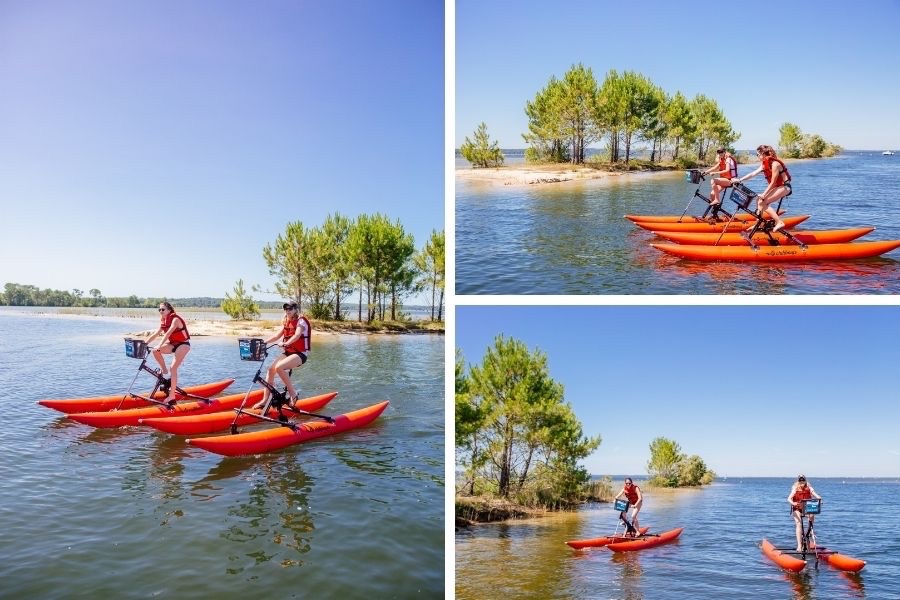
(180, 353)
(284, 366)
(634, 519)
(158, 355)
(767, 209)
(798, 529)
(270, 377)
(718, 185)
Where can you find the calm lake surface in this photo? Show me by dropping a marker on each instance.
(132, 513)
(717, 555)
(571, 238)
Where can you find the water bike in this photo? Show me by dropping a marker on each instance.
(630, 538)
(288, 432)
(795, 560)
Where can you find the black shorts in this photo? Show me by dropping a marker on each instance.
(177, 344)
(789, 189)
(300, 354)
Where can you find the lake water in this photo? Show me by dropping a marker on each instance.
(571, 238)
(717, 555)
(132, 513)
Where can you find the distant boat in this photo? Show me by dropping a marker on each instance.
(887, 153)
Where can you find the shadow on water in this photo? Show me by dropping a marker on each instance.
(572, 239)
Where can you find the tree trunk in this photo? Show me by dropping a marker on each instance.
(504, 470)
(524, 475)
(433, 290)
(393, 302)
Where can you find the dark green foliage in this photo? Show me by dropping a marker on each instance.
(515, 435)
(669, 467)
(567, 115)
(240, 306)
(481, 151)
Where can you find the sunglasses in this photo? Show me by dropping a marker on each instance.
(289, 308)
(162, 310)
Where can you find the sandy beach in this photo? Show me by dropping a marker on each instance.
(530, 175)
(144, 325)
(521, 175)
(235, 329)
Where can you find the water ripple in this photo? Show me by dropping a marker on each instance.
(572, 239)
(137, 513)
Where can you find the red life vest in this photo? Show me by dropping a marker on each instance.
(179, 335)
(290, 328)
(723, 166)
(783, 177)
(632, 494)
(802, 494)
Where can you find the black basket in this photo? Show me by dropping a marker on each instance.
(621, 505)
(693, 175)
(813, 506)
(135, 348)
(252, 348)
(742, 196)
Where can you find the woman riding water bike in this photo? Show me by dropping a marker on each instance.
(801, 491)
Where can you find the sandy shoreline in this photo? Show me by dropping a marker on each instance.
(233, 329)
(141, 326)
(542, 174)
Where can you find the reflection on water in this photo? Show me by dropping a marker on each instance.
(572, 238)
(275, 512)
(359, 515)
(717, 556)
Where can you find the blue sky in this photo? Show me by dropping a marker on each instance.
(154, 148)
(753, 390)
(828, 66)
